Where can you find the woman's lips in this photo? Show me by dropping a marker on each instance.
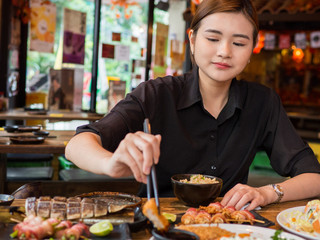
(221, 65)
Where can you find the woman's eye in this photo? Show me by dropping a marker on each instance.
(239, 44)
(213, 39)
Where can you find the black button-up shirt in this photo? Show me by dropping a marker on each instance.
(193, 141)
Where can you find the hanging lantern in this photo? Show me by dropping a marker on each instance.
(196, 2)
(260, 43)
(297, 55)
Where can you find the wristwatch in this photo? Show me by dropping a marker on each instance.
(279, 191)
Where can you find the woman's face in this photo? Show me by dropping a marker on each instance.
(222, 46)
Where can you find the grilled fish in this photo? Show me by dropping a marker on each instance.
(70, 208)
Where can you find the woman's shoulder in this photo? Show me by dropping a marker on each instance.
(256, 89)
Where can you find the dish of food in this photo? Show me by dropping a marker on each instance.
(217, 213)
(199, 179)
(55, 229)
(71, 208)
(294, 220)
(250, 232)
(194, 195)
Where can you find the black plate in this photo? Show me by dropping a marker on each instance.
(266, 222)
(41, 133)
(121, 231)
(27, 140)
(17, 128)
(174, 234)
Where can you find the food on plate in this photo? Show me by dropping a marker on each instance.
(207, 232)
(216, 213)
(150, 210)
(312, 210)
(102, 228)
(35, 227)
(199, 179)
(306, 221)
(69, 208)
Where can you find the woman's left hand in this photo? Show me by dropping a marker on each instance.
(241, 194)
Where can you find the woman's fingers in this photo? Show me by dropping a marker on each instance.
(240, 195)
(139, 151)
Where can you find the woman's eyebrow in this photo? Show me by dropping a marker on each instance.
(213, 31)
(241, 36)
(234, 35)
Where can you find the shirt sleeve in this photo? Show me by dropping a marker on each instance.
(288, 153)
(127, 116)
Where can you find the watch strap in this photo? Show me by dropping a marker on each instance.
(279, 191)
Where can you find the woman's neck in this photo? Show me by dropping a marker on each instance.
(214, 95)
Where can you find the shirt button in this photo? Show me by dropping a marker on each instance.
(213, 167)
(212, 137)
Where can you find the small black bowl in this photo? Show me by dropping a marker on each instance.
(195, 195)
(140, 221)
(174, 234)
(6, 200)
(41, 133)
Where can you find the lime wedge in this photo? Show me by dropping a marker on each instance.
(102, 228)
(170, 216)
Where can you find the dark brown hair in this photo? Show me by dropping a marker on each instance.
(208, 7)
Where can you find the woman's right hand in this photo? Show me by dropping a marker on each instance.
(135, 155)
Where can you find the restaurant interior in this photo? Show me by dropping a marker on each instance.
(67, 63)
(99, 50)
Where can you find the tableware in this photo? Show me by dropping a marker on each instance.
(120, 231)
(41, 133)
(152, 177)
(283, 218)
(32, 189)
(6, 199)
(140, 221)
(27, 140)
(254, 231)
(195, 195)
(36, 111)
(18, 128)
(174, 234)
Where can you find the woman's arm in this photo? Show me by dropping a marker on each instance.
(299, 187)
(134, 156)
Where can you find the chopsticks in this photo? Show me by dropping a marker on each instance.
(151, 178)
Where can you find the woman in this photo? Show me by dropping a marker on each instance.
(205, 121)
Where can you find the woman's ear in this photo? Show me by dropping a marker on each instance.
(191, 40)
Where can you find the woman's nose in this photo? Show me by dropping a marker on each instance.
(224, 50)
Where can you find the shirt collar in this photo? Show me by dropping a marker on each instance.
(191, 93)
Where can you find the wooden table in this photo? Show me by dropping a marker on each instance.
(61, 115)
(50, 145)
(173, 205)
